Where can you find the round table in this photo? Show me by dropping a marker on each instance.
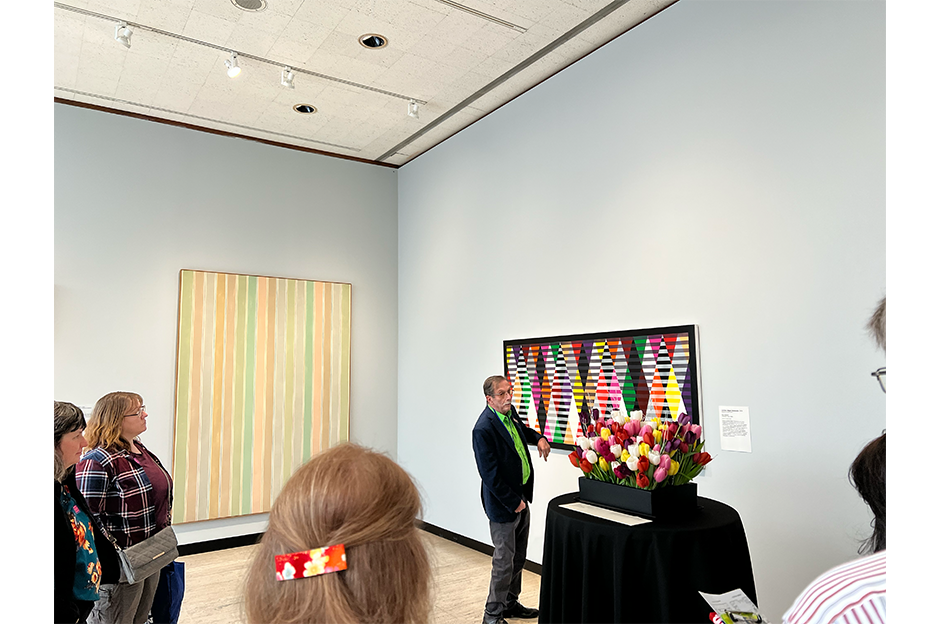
(596, 570)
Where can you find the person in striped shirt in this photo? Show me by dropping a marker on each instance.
(856, 592)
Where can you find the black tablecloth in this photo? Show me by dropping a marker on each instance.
(595, 570)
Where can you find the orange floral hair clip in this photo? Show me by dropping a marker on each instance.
(310, 562)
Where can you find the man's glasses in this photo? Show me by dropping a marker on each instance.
(882, 376)
(142, 409)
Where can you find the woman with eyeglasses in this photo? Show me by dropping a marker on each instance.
(83, 557)
(130, 493)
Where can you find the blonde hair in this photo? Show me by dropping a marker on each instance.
(106, 425)
(353, 496)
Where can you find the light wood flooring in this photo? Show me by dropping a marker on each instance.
(461, 580)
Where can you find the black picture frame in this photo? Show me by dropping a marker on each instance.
(559, 378)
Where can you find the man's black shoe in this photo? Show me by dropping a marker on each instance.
(519, 611)
(493, 619)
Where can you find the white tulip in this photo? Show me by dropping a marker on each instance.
(584, 443)
(591, 456)
(616, 450)
(632, 462)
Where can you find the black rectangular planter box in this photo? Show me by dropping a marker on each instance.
(662, 503)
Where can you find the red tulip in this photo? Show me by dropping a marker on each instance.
(590, 429)
(614, 427)
(642, 480)
(683, 447)
(586, 465)
(573, 456)
(648, 438)
(701, 458)
(642, 464)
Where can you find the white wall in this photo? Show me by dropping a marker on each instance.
(722, 164)
(138, 201)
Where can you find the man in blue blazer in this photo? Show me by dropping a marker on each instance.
(499, 439)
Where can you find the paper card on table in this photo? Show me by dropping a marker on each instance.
(606, 514)
(735, 428)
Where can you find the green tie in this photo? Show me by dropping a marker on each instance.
(518, 443)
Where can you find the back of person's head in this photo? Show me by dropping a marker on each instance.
(106, 425)
(353, 496)
(868, 474)
(68, 418)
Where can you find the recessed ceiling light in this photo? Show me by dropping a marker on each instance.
(306, 109)
(251, 5)
(373, 41)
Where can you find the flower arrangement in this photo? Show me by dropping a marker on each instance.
(640, 453)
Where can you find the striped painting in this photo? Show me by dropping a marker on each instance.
(558, 380)
(262, 384)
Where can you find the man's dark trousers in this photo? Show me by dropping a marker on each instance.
(510, 540)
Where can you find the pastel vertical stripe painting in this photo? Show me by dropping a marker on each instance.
(262, 384)
(557, 380)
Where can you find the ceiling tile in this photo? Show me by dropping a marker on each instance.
(296, 42)
(168, 16)
(208, 28)
(219, 8)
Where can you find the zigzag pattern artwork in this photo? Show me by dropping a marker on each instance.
(556, 379)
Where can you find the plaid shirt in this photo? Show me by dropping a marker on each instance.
(119, 493)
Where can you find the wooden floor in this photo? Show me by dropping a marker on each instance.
(461, 580)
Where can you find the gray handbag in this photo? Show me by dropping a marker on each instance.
(146, 558)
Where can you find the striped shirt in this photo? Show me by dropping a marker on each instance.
(852, 593)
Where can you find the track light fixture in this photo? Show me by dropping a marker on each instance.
(232, 64)
(122, 34)
(413, 109)
(287, 78)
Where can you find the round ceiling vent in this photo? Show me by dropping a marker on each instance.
(251, 5)
(373, 41)
(306, 109)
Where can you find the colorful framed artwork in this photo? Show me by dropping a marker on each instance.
(262, 384)
(558, 378)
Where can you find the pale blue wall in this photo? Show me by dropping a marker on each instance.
(137, 201)
(722, 164)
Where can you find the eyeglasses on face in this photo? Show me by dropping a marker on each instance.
(143, 408)
(882, 376)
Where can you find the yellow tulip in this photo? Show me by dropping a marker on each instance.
(603, 464)
(658, 436)
(673, 468)
(643, 449)
(605, 433)
(624, 456)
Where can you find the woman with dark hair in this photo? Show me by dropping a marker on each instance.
(342, 546)
(855, 591)
(130, 493)
(869, 476)
(83, 557)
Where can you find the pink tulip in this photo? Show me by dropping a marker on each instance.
(660, 474)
